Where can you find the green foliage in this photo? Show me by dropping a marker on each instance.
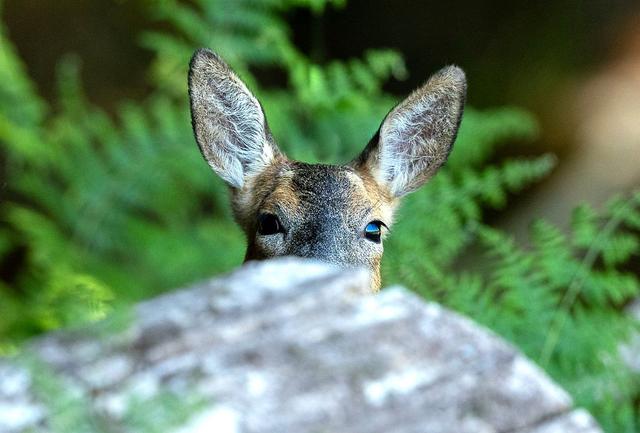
(164, 411)
(560, 300)
(438, 220)
(326, 112)
(108, 208)
(127, 202)
(70, 411)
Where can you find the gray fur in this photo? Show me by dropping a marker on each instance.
(323, 209)
(329, 218)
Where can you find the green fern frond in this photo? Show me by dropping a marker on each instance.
(108, 209)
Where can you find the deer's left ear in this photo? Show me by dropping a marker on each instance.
(415, 138)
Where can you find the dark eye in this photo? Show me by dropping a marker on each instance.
(373, 230)
(269, 224)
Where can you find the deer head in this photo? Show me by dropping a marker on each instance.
(336, 213)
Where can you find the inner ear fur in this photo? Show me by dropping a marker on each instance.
(417, 135)
(228, 121)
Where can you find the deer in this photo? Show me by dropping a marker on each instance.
(338, 214)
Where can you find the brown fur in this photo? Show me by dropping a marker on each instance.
(273, 192)
(321, 210)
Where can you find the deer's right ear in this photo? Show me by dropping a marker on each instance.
(228, 121)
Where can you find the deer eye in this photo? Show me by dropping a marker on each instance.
(269, 224)
(373, 231)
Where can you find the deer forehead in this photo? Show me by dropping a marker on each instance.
(309, 191)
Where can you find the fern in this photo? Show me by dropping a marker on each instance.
(125, 201)
(451, 205)
(561, 301)
(108, 209)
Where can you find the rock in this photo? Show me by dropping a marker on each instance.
(283, 346)
(630, 350)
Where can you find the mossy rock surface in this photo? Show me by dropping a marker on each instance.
(283, 346)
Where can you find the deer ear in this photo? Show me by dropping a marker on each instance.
(415, 138)
(228, 121)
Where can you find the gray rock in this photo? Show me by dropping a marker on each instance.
(284, 346)
(630, 350)
(577, 421)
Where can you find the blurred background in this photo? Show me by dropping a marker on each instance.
(531, 229)
(572, 63)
